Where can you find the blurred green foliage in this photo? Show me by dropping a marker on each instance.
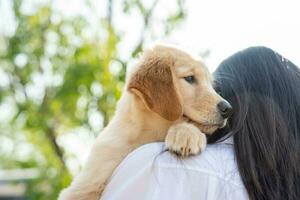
(55, 76)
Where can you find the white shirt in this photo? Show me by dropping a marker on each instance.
(149, 173)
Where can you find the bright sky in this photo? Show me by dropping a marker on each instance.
(225, 27)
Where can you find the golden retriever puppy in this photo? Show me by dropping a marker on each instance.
(168, 97)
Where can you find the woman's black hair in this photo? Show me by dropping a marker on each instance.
(264, 89)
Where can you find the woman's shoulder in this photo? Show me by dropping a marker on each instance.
(217, 160)
(151, 172)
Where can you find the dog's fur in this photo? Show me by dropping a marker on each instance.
(158, 104)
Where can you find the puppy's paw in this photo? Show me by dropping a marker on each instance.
(185, 139)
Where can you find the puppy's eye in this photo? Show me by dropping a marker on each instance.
(190, 79)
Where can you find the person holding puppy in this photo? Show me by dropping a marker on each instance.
(256, 156)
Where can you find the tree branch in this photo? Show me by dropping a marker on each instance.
(50, 132)
(58, 151)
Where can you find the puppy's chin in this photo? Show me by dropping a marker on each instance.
(205, 127)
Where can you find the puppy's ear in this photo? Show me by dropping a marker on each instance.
(153, 83)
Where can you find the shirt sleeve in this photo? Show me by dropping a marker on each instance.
(143, 175)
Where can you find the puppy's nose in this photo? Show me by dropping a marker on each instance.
(225, 109)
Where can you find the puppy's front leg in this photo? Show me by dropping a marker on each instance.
(185, 139)
(105, 156)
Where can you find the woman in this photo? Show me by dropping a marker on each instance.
(258, 156)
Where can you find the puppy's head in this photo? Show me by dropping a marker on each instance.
(173, 84)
